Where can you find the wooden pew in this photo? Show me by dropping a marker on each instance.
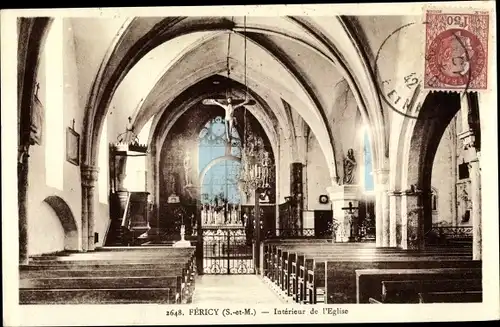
(276, 259)
(299, 276)
(451, 297)
(99, 296)
(406, 291)
(164, 275)
(341, 275)
(313, 276)
(369, 281)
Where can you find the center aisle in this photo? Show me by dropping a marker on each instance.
(233, 289)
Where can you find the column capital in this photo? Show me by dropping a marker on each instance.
(382, 176)
(89, 175)
(343, 192)
(415, 191)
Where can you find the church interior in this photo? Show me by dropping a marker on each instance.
(294, 159)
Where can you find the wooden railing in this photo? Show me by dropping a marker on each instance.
(449, 235)
(454, 232)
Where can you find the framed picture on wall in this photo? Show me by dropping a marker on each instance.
(72, 146)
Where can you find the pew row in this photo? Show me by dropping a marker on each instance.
(369, 281)
(127, 275)
(317, 272)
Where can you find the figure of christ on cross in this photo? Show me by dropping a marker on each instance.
(229, 106)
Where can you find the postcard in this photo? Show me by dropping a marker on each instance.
(250, 164)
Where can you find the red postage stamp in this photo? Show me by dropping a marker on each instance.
(456, 50)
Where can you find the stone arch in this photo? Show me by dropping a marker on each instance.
(67, 219)
(416, 152)
(169, 117)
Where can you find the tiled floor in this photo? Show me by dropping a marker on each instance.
(233, 289)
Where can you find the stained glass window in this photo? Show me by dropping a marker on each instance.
(221, 180)
(369, 185)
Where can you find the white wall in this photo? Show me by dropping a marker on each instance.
(318, 176)
(58, 77)
(45, 222)
(442, 178)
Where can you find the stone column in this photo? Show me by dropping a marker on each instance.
(382, 224)
(394, 218)
(341, 196)
(468, 138)
(22, 184)
(378, 220)
(477, 239)
(297, 191)
(89, 180)
(412, 220)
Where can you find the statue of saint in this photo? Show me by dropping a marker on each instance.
(349, 167)
(465, 207)
(171, 182)
(229, 107)
(128, 136)
(266, 165)
(245, 219)
(187, 169)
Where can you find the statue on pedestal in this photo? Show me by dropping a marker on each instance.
(187, 169)
(349, 167)
(266, 168)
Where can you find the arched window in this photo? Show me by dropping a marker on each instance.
(54, 114)
(221, 178)
(368, 167)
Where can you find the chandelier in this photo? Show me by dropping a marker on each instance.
(257, 167)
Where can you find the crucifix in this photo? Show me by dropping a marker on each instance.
(229, 105)
(351, 220)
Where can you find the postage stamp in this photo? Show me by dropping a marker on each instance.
(456, 50)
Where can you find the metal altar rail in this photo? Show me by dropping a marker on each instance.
(227, 251)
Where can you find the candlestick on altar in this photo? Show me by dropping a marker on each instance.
(183, 231)
(182, 243)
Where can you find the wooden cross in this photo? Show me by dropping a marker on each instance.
(354, 233)
(73, 124)
(223, 102)
(350, 208)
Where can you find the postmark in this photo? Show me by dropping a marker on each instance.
(456, 50)
(400, 83)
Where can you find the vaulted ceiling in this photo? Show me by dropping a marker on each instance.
(138, 66)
